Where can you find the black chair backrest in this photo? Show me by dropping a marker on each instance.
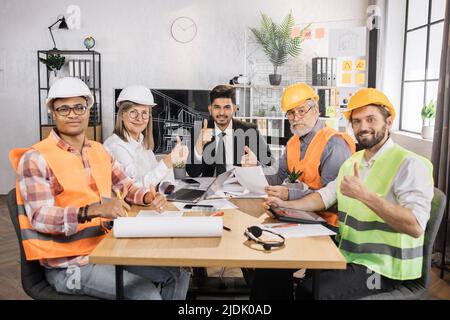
(436, 214)
(32, 273)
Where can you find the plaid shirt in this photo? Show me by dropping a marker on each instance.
(38, 186)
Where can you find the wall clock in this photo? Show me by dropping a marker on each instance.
(183, 29)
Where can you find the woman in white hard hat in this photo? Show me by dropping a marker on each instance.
(132, 140)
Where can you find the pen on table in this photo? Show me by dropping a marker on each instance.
(287, 225)
(119, 196)
(219, 214)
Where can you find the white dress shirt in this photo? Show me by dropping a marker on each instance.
(411, 188)
(228, 142)
(139, 164)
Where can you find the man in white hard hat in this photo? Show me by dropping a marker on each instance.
(64, 186)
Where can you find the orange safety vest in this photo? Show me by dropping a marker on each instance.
(309, 165)
(70, 173)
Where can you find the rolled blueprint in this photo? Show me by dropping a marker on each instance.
(168, 227)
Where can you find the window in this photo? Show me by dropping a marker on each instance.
(424, 21)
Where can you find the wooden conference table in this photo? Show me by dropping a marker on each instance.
(231, 250)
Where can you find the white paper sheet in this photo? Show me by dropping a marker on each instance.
(133, 227)
(294, 230)
(234, 189)
(252, 179)
(152, 213)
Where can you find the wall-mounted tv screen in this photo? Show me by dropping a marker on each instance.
(174, 114)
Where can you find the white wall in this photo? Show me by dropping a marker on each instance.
(134, 40)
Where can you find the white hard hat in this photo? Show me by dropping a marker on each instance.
(137, 94)
(69, 87)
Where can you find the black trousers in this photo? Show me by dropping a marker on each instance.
(352, 283)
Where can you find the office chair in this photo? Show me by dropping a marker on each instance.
(32, 275)
(416, 289)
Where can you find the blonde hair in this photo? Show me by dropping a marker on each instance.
(120, 128)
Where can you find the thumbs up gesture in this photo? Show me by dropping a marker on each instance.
(249, 159)
(352, 186)
(179, 153)
(206, 136)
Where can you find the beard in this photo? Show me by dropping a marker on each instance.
(370, 141)
(222, 119)
(299, 131)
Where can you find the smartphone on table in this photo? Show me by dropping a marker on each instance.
(191, 182)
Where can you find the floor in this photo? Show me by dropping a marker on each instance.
(11, 287)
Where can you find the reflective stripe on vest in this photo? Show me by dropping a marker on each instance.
(70, 174)
(367, 239)
(381, 248)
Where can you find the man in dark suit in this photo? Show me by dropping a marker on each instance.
(224, 142)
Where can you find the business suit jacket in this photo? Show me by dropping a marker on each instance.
(251, 138)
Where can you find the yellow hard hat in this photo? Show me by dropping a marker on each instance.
(296, 94)
(368, 96)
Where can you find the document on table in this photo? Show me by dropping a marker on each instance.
(252, 179)
(295, 230)
(157, 227)
(152, 213)
(219, 204)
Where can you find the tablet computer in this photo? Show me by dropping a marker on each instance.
(297, 216)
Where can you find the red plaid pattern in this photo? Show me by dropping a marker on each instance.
(39, 186)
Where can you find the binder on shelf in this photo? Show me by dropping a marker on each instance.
(329, 71)
(316, 72)
(324, 72)
(71, 68)
(82, 70)
(88, 73)
(93, 115)
(334, 97)
(76, 69)
(322, 109)
(49, 118)
(333, 72)
(325, 96)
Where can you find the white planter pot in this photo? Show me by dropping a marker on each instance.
(427, 132)
(179, 173)
(292, 185)
(54, 76)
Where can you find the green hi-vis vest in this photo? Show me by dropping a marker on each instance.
(365, 238)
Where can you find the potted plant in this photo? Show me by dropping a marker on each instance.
(179, 170)
(54, 62)
(428, 114)
(293, 176)
(278, 43)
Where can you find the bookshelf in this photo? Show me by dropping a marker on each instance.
(83, 64)
(261, 105)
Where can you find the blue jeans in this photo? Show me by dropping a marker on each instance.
(140, 283)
